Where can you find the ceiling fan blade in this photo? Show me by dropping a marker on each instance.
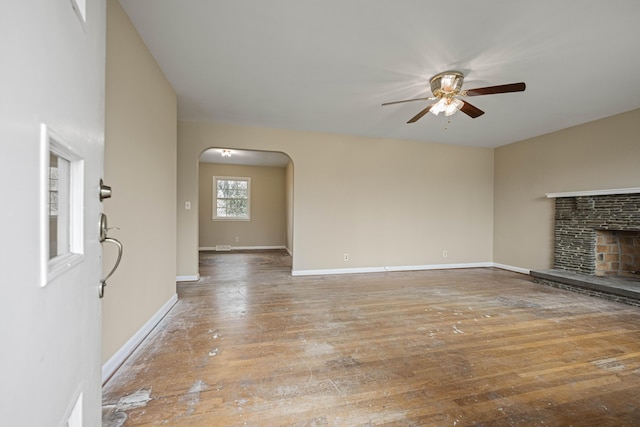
(489, 90)
(420, 114)
(407, 100)
(471, 110)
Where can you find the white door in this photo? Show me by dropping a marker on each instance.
(51, 141)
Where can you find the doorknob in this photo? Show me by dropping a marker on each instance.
(104, 238)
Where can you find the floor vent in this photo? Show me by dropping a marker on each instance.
(223, 247)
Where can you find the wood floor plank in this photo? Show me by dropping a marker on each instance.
(248, 344)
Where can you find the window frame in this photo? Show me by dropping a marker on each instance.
(214, 203)
(51, 267)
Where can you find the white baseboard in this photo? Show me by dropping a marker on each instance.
(440, 266)
(391, 268)
(188, 278)
(337, 271)
(512, 268)
(242, 248)
(112, 365)
(289, 251)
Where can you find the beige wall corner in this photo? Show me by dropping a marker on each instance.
(602, 154)
(140, 165)
(385, 202)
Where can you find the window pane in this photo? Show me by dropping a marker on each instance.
(59, 205)
(221, 207)
(237, 207)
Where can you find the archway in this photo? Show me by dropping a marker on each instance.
(267, 179)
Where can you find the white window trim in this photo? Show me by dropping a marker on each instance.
(50, 141)
(214, 194)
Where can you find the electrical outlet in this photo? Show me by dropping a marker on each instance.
(444, 254)
(346, 257)
(187, 205)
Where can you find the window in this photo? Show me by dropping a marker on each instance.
(58, 208)
(62, 190)
(231, 198)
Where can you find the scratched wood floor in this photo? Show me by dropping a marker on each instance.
(250, 345)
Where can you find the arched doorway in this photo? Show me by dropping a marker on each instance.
(266, 180)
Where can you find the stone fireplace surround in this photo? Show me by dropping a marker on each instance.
(597, 244)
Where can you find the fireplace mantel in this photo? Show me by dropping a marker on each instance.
(594, 192)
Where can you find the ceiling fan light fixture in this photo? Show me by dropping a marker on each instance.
(453, 106)
(438, 107)
(448, 106)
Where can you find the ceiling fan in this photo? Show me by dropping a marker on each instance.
(447, 87)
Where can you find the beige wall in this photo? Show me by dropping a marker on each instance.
(603, 154)
(289, 204)
(140, 165)
(267, 226)
(385, 202)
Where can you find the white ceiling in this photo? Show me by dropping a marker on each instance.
(328, 65)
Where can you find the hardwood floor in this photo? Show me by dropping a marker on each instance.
(251, 345)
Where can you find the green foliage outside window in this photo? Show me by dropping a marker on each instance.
(231, 198)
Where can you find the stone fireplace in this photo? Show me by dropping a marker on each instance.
(596, 243)
(597, 235)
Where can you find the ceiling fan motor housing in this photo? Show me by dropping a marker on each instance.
(447, 83)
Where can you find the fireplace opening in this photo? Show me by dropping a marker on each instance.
(617, 253)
